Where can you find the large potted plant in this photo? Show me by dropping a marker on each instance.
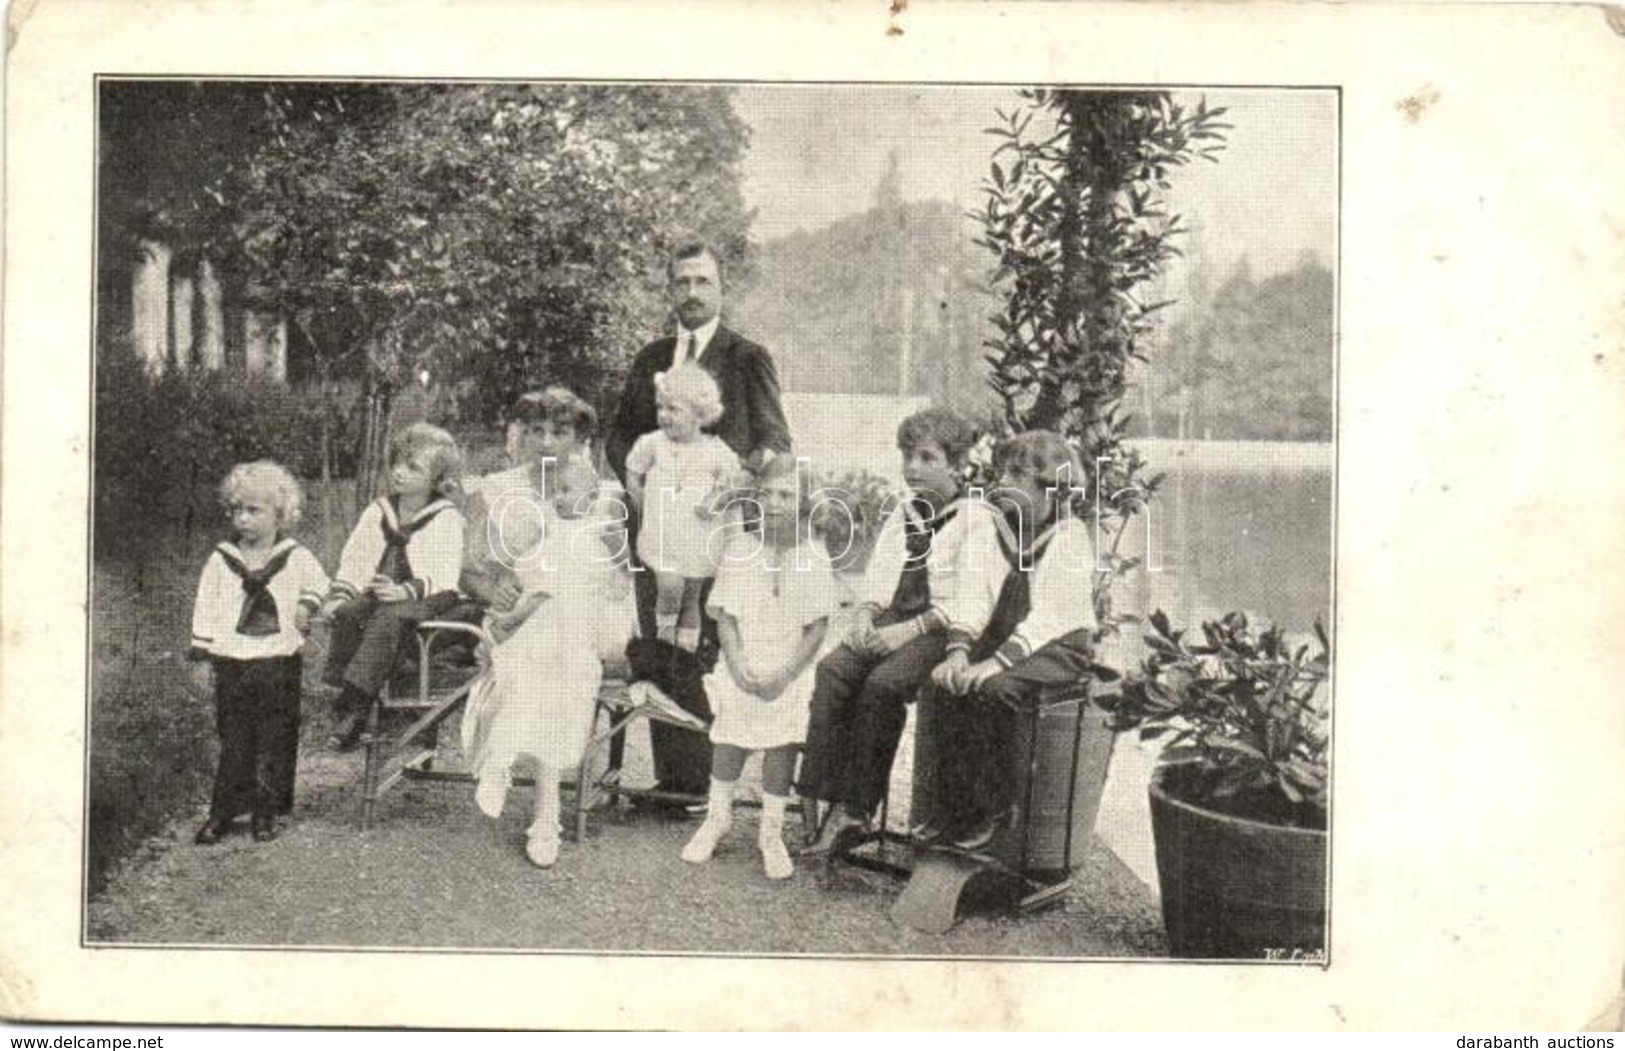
(1239, 796)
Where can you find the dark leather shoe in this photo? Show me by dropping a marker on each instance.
(836, 835)
(979, 835)
(212, 831)
(264, 829)
(346, 735)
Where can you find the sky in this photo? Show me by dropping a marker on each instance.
(818, 152)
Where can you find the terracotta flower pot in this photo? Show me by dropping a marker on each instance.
(1234, 888)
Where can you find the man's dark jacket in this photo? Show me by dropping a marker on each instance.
(752, 417)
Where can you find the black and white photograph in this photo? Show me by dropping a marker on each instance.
(743, 518)
(942, 516)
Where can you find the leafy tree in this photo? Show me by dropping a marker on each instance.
(499, 234)
(840, 304)
(1271, 343)
(162, 148)
(487, 236)
(1076, 218)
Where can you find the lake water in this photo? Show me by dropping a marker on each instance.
(1238, 526)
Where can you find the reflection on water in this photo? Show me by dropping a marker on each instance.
(1237, 526)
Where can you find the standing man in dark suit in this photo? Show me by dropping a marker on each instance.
(752, 425)
(752, 420)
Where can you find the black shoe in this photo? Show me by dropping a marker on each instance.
(672, 808)
(212, 831)
(980, 834)
(264, 828)
(346, 735)
(928, 832)
(836, 835)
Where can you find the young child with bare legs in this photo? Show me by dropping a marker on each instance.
(772, 600)
(675, 475)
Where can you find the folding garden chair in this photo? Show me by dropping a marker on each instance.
(434, 688)
(437, 686)
(618, 707)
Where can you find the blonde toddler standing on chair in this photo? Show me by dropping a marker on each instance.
(675, 475)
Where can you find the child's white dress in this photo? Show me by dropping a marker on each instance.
(772, 607)
(537, 697)
(677, 478)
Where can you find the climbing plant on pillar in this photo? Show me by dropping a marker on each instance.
(1076, 214)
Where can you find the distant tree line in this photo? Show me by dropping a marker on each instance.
(1252, 360)
(893, 300)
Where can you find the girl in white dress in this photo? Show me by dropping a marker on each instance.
(772, 600)
(538, 696)
(675, 476)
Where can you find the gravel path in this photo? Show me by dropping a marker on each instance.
(432, 872)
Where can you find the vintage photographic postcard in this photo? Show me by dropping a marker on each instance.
(1006, 515)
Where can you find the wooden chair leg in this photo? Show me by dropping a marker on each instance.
(583, 790)
(883, 843)
(371, 749)
(809, 820)
(586, 785)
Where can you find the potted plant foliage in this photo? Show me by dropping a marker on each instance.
(1239, 796)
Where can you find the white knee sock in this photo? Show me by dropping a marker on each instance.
(770, 839)
(547, 802)
(491, 792)
(718, 819)
(542, 841)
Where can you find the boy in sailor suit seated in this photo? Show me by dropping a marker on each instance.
(1040, 635)
(862, 689)
(398, 568)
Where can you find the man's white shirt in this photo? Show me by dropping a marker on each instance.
(702, 339)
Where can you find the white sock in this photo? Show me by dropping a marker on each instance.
(542, 839)
(718, 820)
(770, 839)
(491, 792)
(547, 804)
(543, 851)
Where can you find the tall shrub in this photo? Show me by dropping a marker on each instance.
(1077, 218)
(164, 443)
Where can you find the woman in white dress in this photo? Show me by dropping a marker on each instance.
(507, 511)
(555, 551)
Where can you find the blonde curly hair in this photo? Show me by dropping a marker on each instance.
(691, 385)
(268, 479)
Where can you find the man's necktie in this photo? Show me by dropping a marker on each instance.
(688, 348)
